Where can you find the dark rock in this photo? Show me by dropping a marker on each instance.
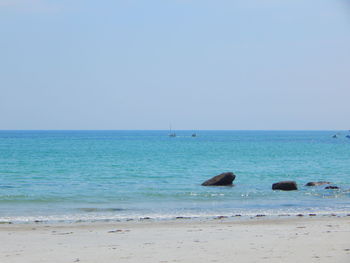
(300, 215)
(317, 183)
(220, 180)
(285, 186)
(312, 214)
(331, 187)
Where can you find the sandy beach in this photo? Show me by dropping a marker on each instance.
(292, 239)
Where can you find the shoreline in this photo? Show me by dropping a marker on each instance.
(287, 239)
(196, 218)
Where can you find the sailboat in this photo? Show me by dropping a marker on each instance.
(172, 134)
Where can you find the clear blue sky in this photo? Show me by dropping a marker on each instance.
(235, 64)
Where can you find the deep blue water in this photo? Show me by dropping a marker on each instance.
(72, 175)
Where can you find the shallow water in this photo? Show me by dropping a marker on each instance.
(92, 175)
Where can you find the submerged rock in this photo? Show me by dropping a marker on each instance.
(285, 186)
(331, 187)
(317, 183)
(260, 215)
(220, 180)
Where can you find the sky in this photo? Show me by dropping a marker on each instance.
(197, 64)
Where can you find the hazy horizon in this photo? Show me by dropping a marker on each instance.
(199, 65)
(178, 130)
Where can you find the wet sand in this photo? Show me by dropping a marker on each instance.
(297, 239)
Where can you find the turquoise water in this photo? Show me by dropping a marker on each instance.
(92, 175)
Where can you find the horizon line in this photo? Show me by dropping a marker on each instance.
(174, 130)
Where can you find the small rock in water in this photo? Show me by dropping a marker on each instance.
(331, 187)
(317, 183)
(259, 215)
(145, 218)
(223, 179)
(300, 215)
(312, 214)
(285, 186)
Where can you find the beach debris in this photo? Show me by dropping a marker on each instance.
(220, 180)
(317, 183)
(285, 186)
(64, 233)
(115, 231)
(331, 187)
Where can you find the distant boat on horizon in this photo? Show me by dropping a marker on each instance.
(171, 133)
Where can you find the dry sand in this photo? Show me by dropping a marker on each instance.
(305, 239)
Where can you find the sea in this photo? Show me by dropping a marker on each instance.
(70, 176)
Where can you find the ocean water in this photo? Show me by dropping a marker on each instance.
(118, 175)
